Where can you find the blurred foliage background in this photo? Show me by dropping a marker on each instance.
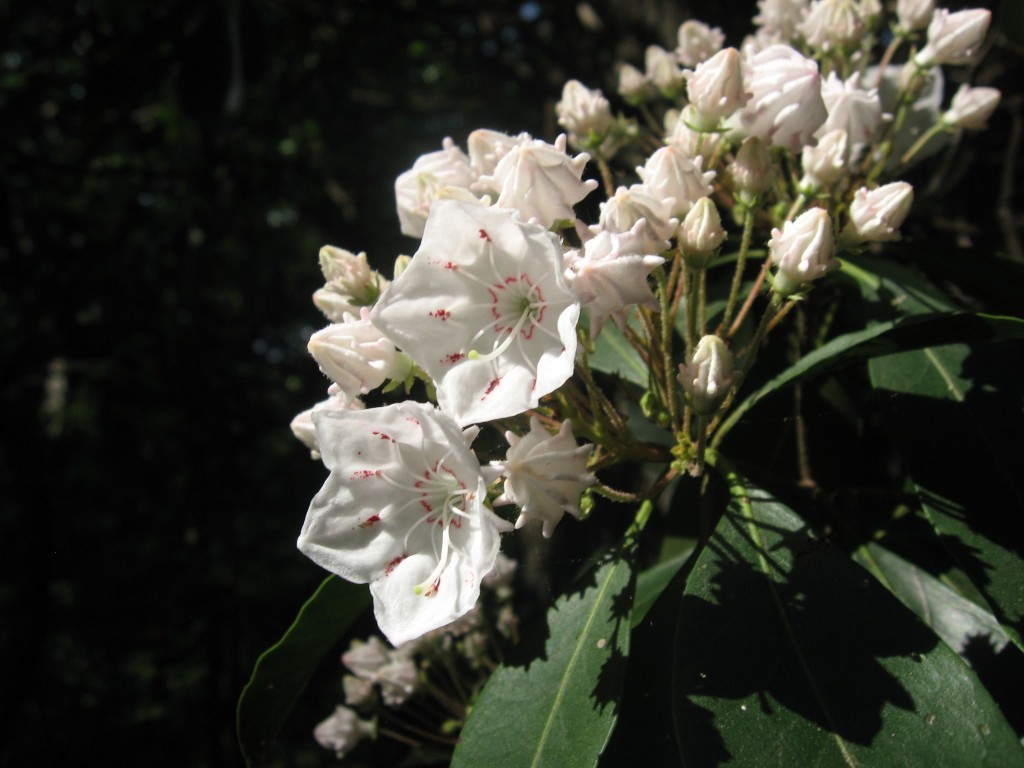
(169, 171)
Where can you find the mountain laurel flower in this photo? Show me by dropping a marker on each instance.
(826, 163)
(403, 510)
(697, 42)
(971, 108)
(621, 212)
(303, 427)
(487, 147)
(954, 38)
(662, 71)
(833, 24)
(417, 188)
(802, 252)
(356, 355)
(610, 275)
(584, 113)
(701, 233)
(715, 88)
(785, 106)
(914, 15)
(633, 85)
(673, 175)
(856, 110)
(780, 18)
(752, 171)
(342, 731)
(876, 215)
(707, 375)
(484, 310)
(545, 474)
(541, 181)
(351, 283)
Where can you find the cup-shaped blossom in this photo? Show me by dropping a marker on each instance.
(627, 206)
(342, 731)
(356, 355)
(403, 510)
(545, 474)
(876, 215)
(697, 42)
(610, 275)
(833, 24)
(662, 71)
(351, 283)
(785, 106)
(715, 88)
(701, 233)
(707, 375)
(584, 113)
(674, 176)
(854, 109)
(971, 107)
(802, 252)
(954, 38)
(483, 308)
(826, 163)
(914, 14)
(752, 171)
(780, 18)
(303, 427)
(541, 181)
(417, 188)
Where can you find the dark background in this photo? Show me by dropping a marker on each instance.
(168, 172)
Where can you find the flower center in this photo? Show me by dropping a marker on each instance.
(517, 307)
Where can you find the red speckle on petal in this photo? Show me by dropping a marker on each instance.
(440, 314)
(383, 436)
(394, 564)
(452, 359)
(369, 522)
(412, 420)
(364, 473)
(432, 589)
(484, 235)
(491, 386)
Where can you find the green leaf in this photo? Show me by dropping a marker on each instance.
(651, 583)
(557, 708)
(907, 333)
(613, 354)
(781, 651)
(284, 669)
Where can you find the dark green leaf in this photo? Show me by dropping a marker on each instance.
(651, 583)
(613, 354)
(557, 708)
(284, 669)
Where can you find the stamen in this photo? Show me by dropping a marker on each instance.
(500, 349)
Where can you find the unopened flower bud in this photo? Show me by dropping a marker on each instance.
(780, 18)
(856, 110)
(785, 106)
(670, 174)
(698, 42)
(972, 107)
(701, 233)
(707, 375)
(356, 355)
(417, 188)
(914, 14)
(826, 163)
(633, 86)
(954, 38)
(876, 215)
(802, 252)
(753, 171)
(663, 72)
(401, 262)
(715, 88)
(833, 24)
(583, 112)
(342, 731)
(351, 283)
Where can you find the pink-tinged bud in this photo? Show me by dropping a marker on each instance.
(954, 38)
(785, 106)
(715, 88)
(972, 107)
(583, 112)
(701, 233)
(753, 171)
(356, 355)
(698, 42)
(626, 207)
(826, 163)
(833, 24)
(780, 18)
(663, 71)
(802, 252)
(914, 14)
(350, 283)
(707, 375)
(672, 175)
(876, 215)
(856, 110)
(487, 147)
(633, 86)
(681, 134)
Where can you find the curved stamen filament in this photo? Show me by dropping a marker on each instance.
(509, 338)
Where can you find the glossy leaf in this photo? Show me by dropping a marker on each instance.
(557, 707)
(613, 354)
(283, 670)
(651, 583)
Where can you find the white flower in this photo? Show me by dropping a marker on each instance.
(715, 88)
(342, 731)
(351, 283)
(392, 669)
(954, 38)
(780, 18)
(691, 142)
(633, 86)
(972, 107)
(611, 275)
(403, 509)
(876, 215)
(853, 109)
(914, 14)
(707, 375)
(833, 23)
(677, 179)
(483, 308)
(698, 42)
(626, 207)
(303, 427)
(583, 112)
(487, 147)
(356, 355)
(701, 233)
(785, 106)
(826, 163)
(752, 171)
(802, 251)
(417, 188)
(662, 71)
(541, 181)
(545, 474)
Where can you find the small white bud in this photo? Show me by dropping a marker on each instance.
(779, 19)
(715, 88)
(753, 171)
(633, 86)
(876, 215)
(698, 42)
(826, 163)
(802, 251)
(701, 233)
(914, 14)
(707, 375)
(833, 24)
(954, 38)
(785, 106)
(583, 112)
(342, 731)
(972, 107)
(663, 71)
